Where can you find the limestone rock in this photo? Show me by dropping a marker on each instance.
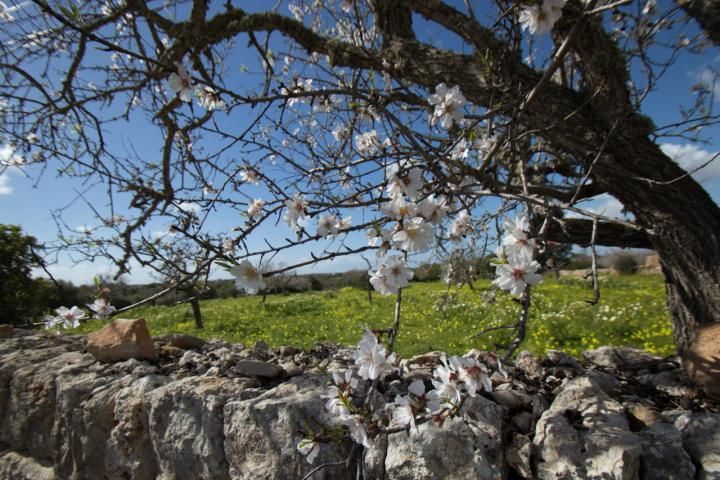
(663, 454)
(672, 382)
(467, 446)
(701, 439)
(186, 427)
(14, 466)
(518, 456)
(289, 351)
(85, 416)
(619, 357)
(641, 415)
(530, 365)
(29, 410)
(426, 359)
(129, 448)
(181, 341)
(562, 359)
(121, 339)
(374, 459)
(261, 434)
(702, 359)
(585, 434)
(257, 368)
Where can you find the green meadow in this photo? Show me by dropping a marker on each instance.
(632, 311)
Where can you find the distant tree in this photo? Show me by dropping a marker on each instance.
(17, 288)
(182, 266)
(625, 264)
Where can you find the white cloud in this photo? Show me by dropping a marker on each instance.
(608, 206)
(9, 162)
(690, 157)
(8, 157)
(708, 78)
(604, 204)
(5, 187)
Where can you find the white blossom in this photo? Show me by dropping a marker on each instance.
(460, 151)
(391, 276)
(310, 448)
(247, 277)
(408, 407)
(403, 414)
(461, 225)
(356, 425)
(181, 82)
(371, 359)
(448, 104)
(403, 179)
(101, 308)
(344, 223)
(515, 276)
(433, 210)
(367, 143)
(255, 208)
(327, 225)
(340, 132)
(249, 175)
(474, 375)
(380, 238)
(66, 318)
(296, 12)
(209, 99)
(485, 144)
(295, 210)
(399, 208)
(540, 19)
(416, 235)
(228, 246)
(300, 87)
(516, 241)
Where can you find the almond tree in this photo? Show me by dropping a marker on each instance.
(345, 108)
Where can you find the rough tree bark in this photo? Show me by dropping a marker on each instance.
(197, 314)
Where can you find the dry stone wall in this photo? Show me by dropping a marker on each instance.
(213, 410)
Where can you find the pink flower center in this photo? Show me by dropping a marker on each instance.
(518, 273)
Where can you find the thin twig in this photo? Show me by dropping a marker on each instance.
(596, 283)
(491, 329)
(320, 467)
(522, 324)
(396, 321)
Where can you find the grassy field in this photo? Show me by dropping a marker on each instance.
(632, 311)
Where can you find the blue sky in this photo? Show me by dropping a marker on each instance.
(28, 197)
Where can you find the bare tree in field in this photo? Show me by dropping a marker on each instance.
(290, 120)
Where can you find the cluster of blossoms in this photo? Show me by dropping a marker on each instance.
(182, 85)
(300, 87)
(329, 225)
(455, 379)
(65, 318)
(415, 217)
(515, 267)
(70, 317)
(540, 19)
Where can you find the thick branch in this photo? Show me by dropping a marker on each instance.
(579, 231)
